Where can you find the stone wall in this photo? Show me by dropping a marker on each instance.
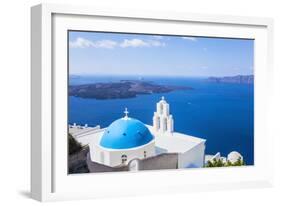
(97, 167)
(162, 161)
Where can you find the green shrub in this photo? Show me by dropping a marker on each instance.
(215, 163)
(219, 163)
(239, 162)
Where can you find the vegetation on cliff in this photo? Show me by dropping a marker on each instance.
(220, 163)
(120, 90)
(73, 145)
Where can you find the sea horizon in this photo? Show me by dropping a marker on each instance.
(156, 75)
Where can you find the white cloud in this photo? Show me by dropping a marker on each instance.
(156, 43)
(109, 44)
(141, 43)
(80, 43)
(85, 43)
(189, 38)
(134, 43)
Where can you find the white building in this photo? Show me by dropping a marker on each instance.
(128, 139)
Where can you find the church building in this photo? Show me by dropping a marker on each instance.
(128, 140)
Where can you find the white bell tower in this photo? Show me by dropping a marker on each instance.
(162, 120)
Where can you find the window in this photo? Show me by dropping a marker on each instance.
(144, 154)
(123, 158)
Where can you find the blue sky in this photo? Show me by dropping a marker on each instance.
(96, 53)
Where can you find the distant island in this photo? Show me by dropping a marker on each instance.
(120, 90)
(240, 79)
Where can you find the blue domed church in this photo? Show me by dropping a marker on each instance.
(128, 139)
(126, 133)
(123, 140)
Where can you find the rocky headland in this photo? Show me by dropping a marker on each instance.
(120, 90)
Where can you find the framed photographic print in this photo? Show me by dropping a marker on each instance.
(137, 102)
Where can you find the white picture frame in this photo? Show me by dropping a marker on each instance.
(49, 179)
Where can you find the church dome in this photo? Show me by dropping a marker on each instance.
(125, 133)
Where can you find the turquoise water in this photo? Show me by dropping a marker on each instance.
(220, 113)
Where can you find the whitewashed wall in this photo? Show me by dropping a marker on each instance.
(193, 157)
(113, 157)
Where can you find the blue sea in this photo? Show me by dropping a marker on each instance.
(221, 113)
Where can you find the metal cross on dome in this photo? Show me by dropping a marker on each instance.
(126, 112)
